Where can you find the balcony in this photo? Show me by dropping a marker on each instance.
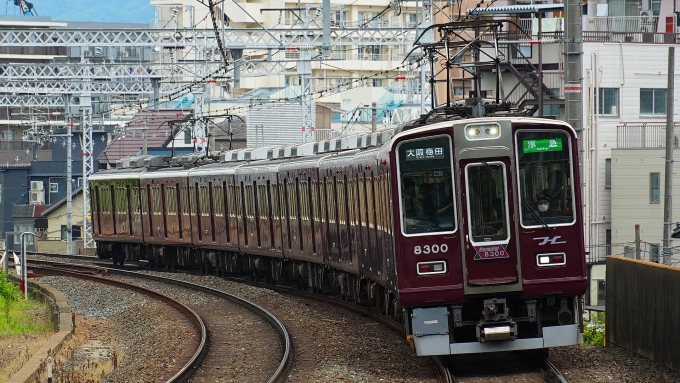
(643, 135)
(628, 29)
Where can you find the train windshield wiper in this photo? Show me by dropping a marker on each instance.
(535, 215)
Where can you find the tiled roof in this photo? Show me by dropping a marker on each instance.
(132, 142)
(10, 157)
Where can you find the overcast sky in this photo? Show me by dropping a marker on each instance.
(128, 11)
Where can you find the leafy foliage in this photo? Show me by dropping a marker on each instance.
(9, 294)
(593, 333)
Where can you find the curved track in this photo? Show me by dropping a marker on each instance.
(222, 317)
(518, 366)
(441, 371)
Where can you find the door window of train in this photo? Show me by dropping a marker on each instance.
(218, 200)
(487, 213)
(185, 201)
(262, 200)
(204, 199)
(342, 214)
(426, 185)
(171, 195)
(370, 207)
(545, 178)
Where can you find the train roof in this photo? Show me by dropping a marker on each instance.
(164, 172)
(126, 173)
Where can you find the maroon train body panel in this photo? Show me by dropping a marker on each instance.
(164, 208)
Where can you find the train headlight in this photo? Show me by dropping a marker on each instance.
(430, 268)
(551, 259)
(482, 131)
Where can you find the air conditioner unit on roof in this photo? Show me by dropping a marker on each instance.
(37, 197)
(37, 185)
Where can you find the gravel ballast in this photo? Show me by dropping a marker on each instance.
(332, 345)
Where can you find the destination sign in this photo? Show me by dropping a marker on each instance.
(490, 252)
(425, 154)
(543, 145)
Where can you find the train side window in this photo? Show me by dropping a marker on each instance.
(426, 186)
(545, 177)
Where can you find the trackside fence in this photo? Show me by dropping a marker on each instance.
(642, 307)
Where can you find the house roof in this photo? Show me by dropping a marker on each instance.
(28, 211)
(10, 157)
(517, 9)
(50, 208)
(158, 131)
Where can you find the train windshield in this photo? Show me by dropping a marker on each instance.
(426, 186)
(545, 174)
(486, 187)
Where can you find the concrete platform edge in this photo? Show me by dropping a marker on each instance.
(64, 320)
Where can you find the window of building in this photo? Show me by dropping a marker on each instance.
(411, 20)
(654, 253)
(22, 228)
(608, 102)
(653, 102)
(656, 7)
(608, 173)
(54, 187)
(601, 292)
(75, 232)
(187, 136)
(339, 19)
(654, 189)
(552, 110)
(608, 241)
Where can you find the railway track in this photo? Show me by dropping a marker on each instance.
(436, 365)
(521, 366)
(218, 315)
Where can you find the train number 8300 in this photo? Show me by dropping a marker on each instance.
(434, 249)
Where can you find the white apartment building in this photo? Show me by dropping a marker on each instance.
(346, 62)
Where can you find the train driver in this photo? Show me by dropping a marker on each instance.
(543, 204)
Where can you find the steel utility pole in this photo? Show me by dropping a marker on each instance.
(668, 196)
(69, 177)
(573, 96)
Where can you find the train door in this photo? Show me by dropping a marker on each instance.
(333, 228)
(490, 252)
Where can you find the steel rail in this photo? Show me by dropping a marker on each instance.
(444, 375)
(286, 363)
(551, 373)
(189, 368)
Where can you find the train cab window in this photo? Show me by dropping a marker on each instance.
(426, 185)
(486, 198)
(545, 175)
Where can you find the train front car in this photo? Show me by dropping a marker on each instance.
(489, 235)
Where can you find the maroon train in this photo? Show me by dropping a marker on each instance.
(468, 230)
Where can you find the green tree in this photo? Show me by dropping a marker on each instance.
(9, 293)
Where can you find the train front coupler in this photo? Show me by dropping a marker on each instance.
(496, 325)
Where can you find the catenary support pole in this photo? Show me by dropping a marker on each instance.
(668, 196)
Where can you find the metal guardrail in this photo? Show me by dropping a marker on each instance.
(644, 135)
